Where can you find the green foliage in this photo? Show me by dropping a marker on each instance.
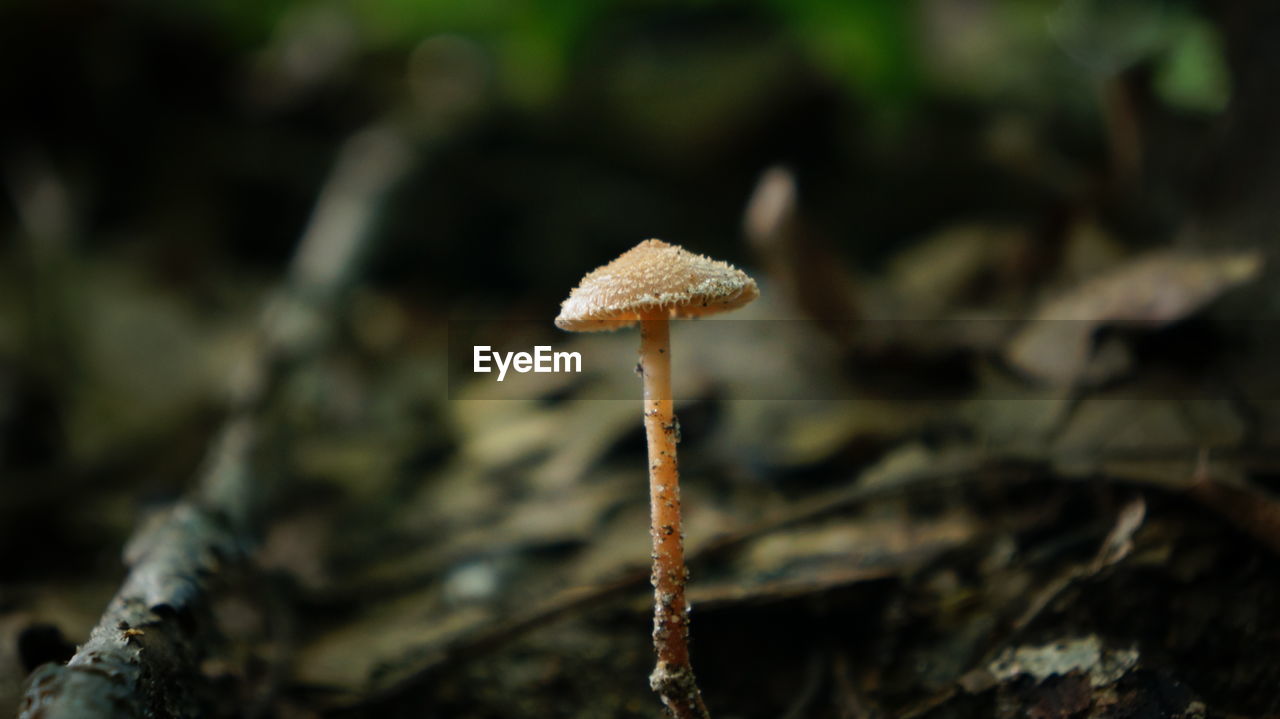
(868, 44)
(1108, 36)
(1193, 74)
(885, 53)
(531, 43)
(247, 22)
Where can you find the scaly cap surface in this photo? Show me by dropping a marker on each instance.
(654, 279)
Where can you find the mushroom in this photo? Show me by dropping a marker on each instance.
(650, 284)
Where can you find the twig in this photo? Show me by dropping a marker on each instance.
(143, 658)
(849, 700)
(419, 668)
(429, 662)
(802, 705)
(1117, 545)
(1245, 505)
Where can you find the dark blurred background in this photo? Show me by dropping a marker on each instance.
(159, 163)
(197, 137)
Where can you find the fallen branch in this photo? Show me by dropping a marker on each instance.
(143, 658)
(144, 655)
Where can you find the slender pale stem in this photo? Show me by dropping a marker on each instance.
(672, 678)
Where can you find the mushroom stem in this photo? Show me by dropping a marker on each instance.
(672, 678)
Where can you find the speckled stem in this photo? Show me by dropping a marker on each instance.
(672, 678)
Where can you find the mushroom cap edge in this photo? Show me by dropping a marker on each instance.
(653, 280)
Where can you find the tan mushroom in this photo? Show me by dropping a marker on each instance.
(650, 284)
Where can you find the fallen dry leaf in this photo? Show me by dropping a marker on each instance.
(1057, 345)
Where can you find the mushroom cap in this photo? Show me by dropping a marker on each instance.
(654, 280)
